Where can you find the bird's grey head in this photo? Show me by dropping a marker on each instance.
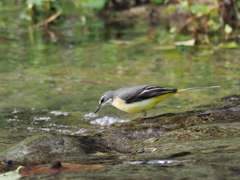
(106, 99)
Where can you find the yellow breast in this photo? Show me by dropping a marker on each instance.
(140, 106)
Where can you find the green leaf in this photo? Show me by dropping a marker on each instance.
(227, 29)
(238, 4)
(200, 9)
(172, 8)
(158, 1)
(38, 2)
(93, 4)
(230, 45)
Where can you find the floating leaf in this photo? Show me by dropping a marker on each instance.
(190, 42)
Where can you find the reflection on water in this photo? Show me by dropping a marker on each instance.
(162, 162)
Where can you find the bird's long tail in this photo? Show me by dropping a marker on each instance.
(193, 88)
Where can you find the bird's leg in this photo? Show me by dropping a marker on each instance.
(143, 114)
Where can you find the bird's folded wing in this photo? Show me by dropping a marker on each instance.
(147, 92)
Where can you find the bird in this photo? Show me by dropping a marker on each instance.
(139, 98)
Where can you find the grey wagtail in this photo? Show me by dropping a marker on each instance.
(139, 98)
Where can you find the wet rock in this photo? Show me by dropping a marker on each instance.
(223, 110)
(56, 164)
(114, 140)
(44, 148)
(203, 141)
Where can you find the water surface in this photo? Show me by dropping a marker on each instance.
(52, 84)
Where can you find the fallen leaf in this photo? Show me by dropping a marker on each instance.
(66, 168)
(12, 175)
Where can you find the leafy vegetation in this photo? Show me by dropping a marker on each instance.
(206, 20)
(201, 22)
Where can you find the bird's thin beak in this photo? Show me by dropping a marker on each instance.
(97, 109)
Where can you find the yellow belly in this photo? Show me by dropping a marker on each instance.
(140, 106)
